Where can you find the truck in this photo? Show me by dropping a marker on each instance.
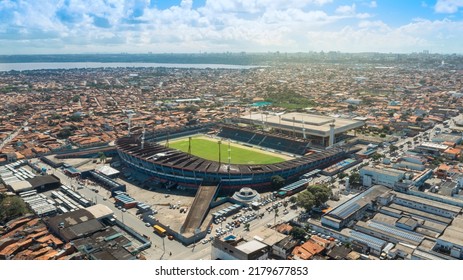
(159, 230)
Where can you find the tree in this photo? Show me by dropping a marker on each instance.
(285, 203)
(298, 233)
(393, 148)
(376, 156)
(247, 226)
(293, 199)
(275, 217)
(342, 175)
(321, 194)
(75, 98)
(55, 116)
(306, 200)
(75, 118)
(277, 181)
(102, 157)
(191, 109)
(64, 133)
(354, 178)
(12, 207)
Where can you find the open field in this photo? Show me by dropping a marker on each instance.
(209, 149)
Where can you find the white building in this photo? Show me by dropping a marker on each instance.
(451, 241)
(239, 250)
(386, 177)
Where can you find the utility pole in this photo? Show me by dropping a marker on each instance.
(189, 145)
(220, 154)
(130, 123)
(143, 138)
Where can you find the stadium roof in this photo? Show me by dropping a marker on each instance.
(315, 125)
(178, 159)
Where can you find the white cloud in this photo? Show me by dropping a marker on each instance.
(437, 36)
(226, 25)
(448, 6)
(346, 10)
(373, 4)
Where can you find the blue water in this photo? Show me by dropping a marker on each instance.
(83, 65)
(230, 237)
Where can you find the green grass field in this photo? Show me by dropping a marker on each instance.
(209, 149)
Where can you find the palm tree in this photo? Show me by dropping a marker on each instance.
(276, 215)
(246, 226)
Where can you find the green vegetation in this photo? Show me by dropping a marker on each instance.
(393, 148)
(276, 215)
(209, 149)
(277, 181)
(321, 193)
(191, 109)
(315, 195)
(102, 157)
(11, 207)
(298, 233)
(377, 156)
(354, 178)
(288, 99)
(75, 118)
(64, 133)
(306, 200)
(75, 98)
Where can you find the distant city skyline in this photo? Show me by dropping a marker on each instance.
(193, 26)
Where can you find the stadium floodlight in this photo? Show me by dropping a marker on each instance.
(219, 142)
(229, 154)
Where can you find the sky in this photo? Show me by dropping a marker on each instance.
(194, 26)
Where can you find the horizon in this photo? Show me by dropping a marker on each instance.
(237, 52)
(204, 26)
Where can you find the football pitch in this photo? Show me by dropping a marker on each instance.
(209, 149)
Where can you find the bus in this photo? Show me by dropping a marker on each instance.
(160, 230)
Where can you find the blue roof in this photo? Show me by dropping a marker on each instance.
(349, 207)
(347, 211)
(294, 185)
(371, 241)
(407, 235)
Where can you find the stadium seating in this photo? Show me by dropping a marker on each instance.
(263, 139)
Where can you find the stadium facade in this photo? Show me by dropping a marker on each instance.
(320, 130)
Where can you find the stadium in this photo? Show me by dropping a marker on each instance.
(228, 156)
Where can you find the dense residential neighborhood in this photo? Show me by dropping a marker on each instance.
(369, 148)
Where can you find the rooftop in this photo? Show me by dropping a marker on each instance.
(317, 125)
(251, 246)
(453, 233)
(432, 203)
(265, 235)
(359, 201)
